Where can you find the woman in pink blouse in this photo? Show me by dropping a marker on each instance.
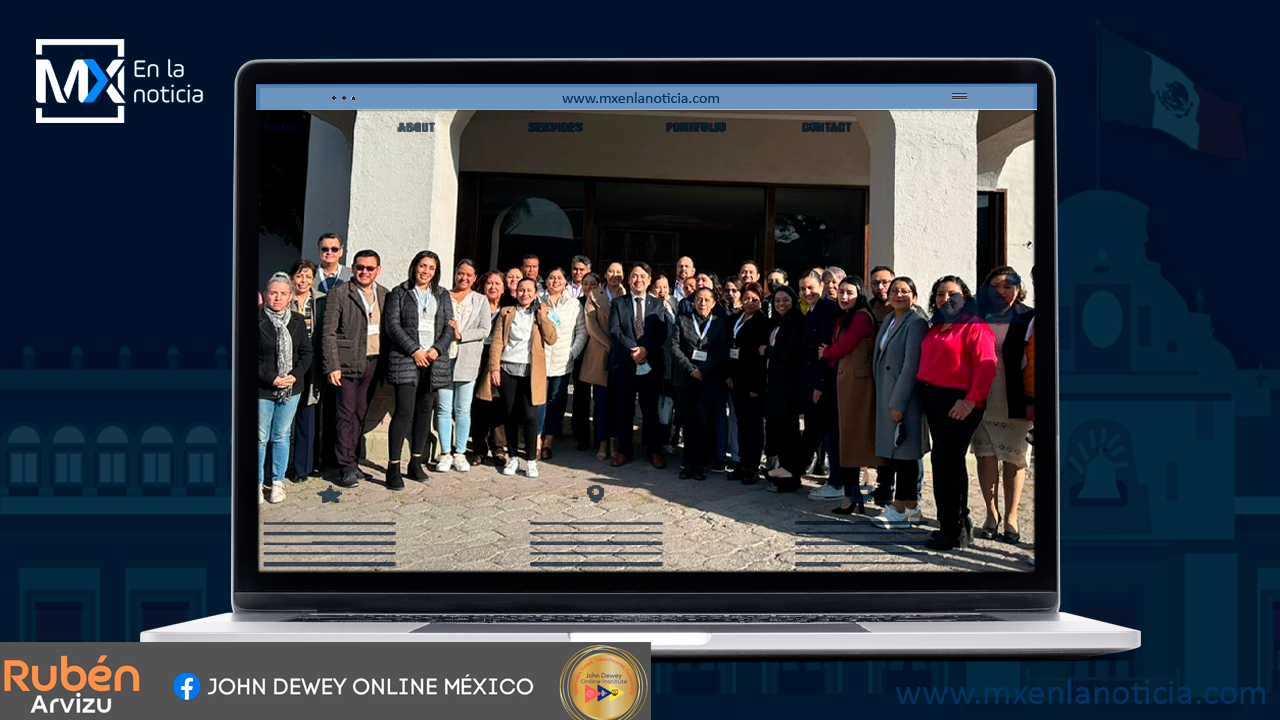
(957, 366)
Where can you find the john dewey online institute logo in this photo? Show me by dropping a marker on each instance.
(92, 88)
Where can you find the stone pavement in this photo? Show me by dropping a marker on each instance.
(647, 519)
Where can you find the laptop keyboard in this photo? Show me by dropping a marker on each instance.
(645, 619)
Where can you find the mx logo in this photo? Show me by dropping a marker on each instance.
(85, 82)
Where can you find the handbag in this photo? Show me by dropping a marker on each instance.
(666, 406)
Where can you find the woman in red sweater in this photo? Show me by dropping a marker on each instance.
(957, 366)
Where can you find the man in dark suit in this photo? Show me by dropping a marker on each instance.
(638, 329)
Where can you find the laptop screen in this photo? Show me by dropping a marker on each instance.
(556, 328)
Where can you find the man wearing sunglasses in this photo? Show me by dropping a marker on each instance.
(352, 347)
(331, 271)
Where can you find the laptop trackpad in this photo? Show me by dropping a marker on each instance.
(667, 639)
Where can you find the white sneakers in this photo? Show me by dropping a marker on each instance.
(891, 519)
(453, 462)
(531, 468)
(827, 492)
(262, 496)
(512, 465)
(277, 492)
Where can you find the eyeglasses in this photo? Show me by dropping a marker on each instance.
(330, 249)
(365, 268)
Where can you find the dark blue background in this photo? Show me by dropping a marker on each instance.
(122, 234)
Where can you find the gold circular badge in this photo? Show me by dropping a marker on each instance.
(603, 683)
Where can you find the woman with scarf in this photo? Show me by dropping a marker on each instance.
(284, 357)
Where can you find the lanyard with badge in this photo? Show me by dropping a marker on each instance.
(369, 310)
(733, 351)
(700, 355)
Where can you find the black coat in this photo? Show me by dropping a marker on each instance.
(400, 322)
(1011, 352)
(345, 330)
(784, 396)
(819, 328)
(685, 340)
(267, 344)
(622, 330)
(748, 371)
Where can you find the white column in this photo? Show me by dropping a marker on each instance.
(328, 180)
(923, 203)
(404, 188)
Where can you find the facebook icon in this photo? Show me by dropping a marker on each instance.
(186, 686)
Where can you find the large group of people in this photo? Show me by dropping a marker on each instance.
(755, 379)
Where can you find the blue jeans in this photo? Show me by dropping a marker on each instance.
(551, 413)
(453, 404)
(275, 422)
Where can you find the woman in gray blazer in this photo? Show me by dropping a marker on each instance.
(901, 437)
(471, 324)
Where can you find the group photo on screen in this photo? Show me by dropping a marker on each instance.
(646, 340)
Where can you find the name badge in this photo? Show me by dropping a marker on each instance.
(699, 355)
(373, 329)
(733, 353)
(643, 369)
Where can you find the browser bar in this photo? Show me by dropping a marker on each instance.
(646, 97)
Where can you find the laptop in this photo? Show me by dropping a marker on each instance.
(694, 171)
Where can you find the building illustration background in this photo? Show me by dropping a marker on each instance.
(113, 466)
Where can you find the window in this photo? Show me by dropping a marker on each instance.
(819, 227)
(992, 242)
(157, 456)
(113, 464)
(156, 597)
(24, 454)
(68, 456)
(59, 604)
(202, 446)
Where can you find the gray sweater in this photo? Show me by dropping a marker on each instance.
(466, 367)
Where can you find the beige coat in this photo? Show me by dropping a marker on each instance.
(596, 356)
(544, 333)
(856, 397)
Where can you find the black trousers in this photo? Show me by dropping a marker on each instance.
(522, 415)
(900, 480)
(352, 404)
(781, 433)
(750, 429)
(581, 407)
(700, 405)
(819, 419)
(414, 406)
(327, 424)
(649, 386)
(950, 445)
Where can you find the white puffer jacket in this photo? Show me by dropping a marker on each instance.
(571, 335)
